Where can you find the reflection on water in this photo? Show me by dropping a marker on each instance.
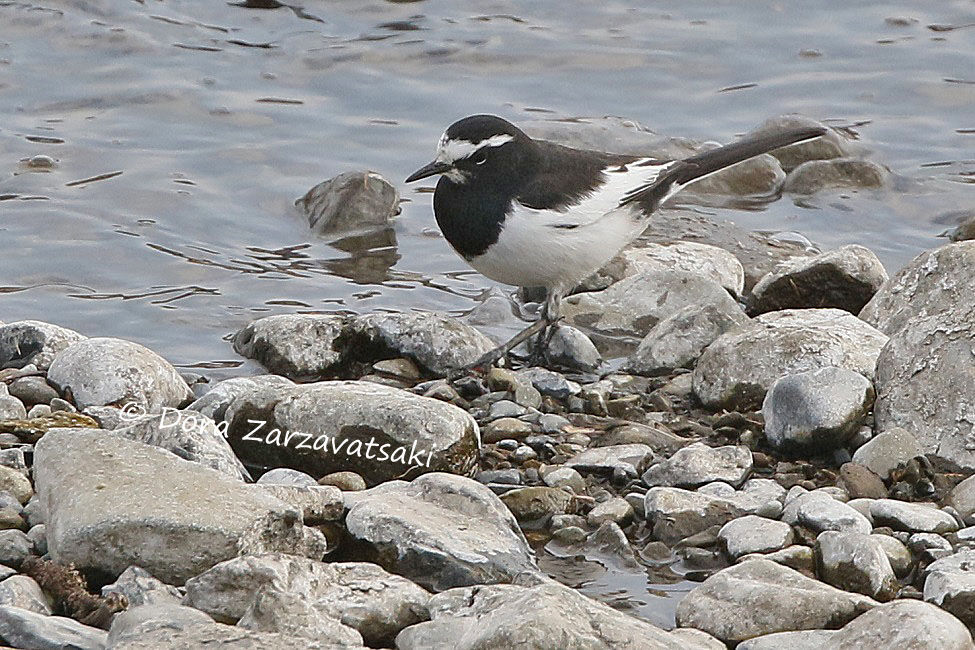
(151, 152)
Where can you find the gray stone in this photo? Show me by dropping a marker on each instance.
(113, 372)
(345, 481)
(800, 558)
(32, 391)
(318, 504)
(703, 260)
(698, 464)
(188, 434)
(817, 410)
(33, 342)
(533, 617)
(886, 451)
(676, 514)
(826, 147)
(295, 615)
(550, 383)
(820, 512)
(845, 278)
(962, 499)
(37, 535)
(897, 554)
(754, 534)
(855, 562)
(912, 517)
(140, 588)
(571, 348)
(16, 484)
(286, 476)
(128, 625)
(565, 477)
(634, 305)
(679, 339)
(902, 624)
(606, 460)
(616, 510)
(537, 504)
(23, 628)
(378, 432)
(737, 369)
(350, 201)
(14, 547)
(303, 346)
(23, 592)
(815, 175)
(215, 401)
(440, 530)
(154, 635)
(12, 408)
(112, 503)
(761, 597)
(949, 583)
(359, 594)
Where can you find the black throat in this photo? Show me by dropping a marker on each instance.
(471, 215)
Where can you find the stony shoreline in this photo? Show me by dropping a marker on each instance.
(790, 429)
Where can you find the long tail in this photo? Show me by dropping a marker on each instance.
(709, 162)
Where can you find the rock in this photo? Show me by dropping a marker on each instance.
(345, 481)
(127, 625)
(571, 348)
(761, 597)
(550, 383)
(305, 346)
(815, 175)
(912, 517)
(897, 554)
(107, 371)
(531, 617)
(679, 339)
(565, 477)
(703, 260)
(606, 460)
(757, 252)
(965, 230)
(360, 595)
(616, 510)
(350, 201)
(287, 613)
(634, 305)
(737, 369)
(378, 432)
(140, 588)
(676, 514)
(32, 391)
(949, 583)
(817, 410)
(826, 147)
(855, 562)
(154, 635)
(757, 176)
(820, 512)
(531, 504)
(753, 534)
(214, 402)
(14, 483)
(22, 628)
(440, 530)
(111, 503)
(14, 547)
(962, 499)
(188, 434)
(33, 342)
(318, 504)
(11, 408)
(286, 476)
(859, 482)
(698, 464)
(885, 452)
(796, 557)
(907, 624)
(610, 133)
(23, 592)
(845, 278)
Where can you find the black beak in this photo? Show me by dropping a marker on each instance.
(429, 170)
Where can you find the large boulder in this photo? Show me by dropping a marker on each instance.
(736, 371)
(33, 342)
(440, 530)
(113, 372)
(924, 374)
(376, 431)
(111, 503)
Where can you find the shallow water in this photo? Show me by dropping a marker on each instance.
(181, 132)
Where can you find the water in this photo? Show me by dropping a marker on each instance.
(183, 131)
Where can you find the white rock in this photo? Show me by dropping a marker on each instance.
(753, 534)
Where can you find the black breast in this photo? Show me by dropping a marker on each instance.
(471, 220)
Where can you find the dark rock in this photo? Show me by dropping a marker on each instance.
(350, 201)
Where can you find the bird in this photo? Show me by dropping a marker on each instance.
(533, 213)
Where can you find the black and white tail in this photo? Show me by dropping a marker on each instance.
(709, 162)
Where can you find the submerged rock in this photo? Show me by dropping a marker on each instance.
(826, 147)
(441, 531)
(350, 201)
(736, 371)
(845, 278)
(815, 175)
(760, 597)
(113, 372)
(111, 503)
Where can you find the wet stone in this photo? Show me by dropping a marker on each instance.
(32, 391)
(616, 510)
(350, 201)
(676, 514)
(565, 477)
(570, 348)
(826, 147)
(698, 464)
(816, 175)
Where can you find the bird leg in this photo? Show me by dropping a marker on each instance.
(550, 314)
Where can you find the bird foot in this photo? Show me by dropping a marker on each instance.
(488, 359)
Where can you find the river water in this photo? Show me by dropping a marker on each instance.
(174, 136)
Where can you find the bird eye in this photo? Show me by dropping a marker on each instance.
(480, 157)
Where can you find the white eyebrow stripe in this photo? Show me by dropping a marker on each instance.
(449, 150)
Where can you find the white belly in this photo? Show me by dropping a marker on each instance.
(532, 252)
